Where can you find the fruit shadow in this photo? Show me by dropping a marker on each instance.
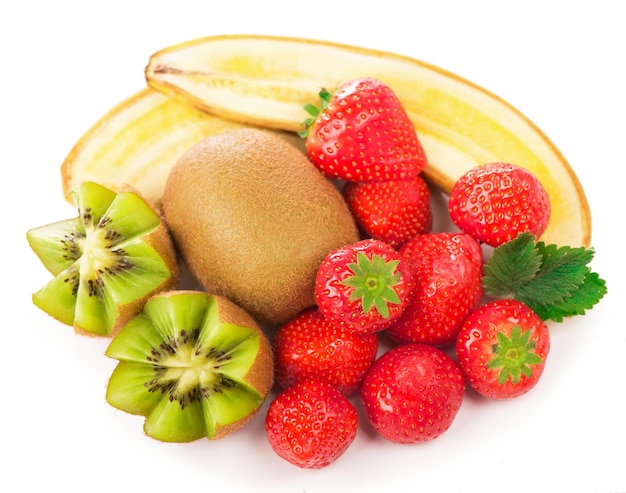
(187, 281)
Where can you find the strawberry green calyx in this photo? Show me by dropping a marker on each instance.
(514, 356)
(373, 282)
(502, 348)
(364, 287)
(314, 111)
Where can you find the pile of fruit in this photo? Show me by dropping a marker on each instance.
(308, 247)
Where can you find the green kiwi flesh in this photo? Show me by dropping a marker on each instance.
(194, 364)
(105, 261)
(253, 219)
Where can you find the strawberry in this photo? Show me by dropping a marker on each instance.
(502, 349)
(364, 286)
(310, 346)
(363, 133)
(391, 211)
(447, 269)
(497, 201)
(311, 424)
(412, 393)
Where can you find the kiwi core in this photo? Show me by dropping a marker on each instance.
(187, 373)
(98, 253)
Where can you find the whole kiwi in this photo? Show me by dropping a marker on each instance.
(253, 218)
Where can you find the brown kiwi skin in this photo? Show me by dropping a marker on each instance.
(161, 240)
(261, 373)
(253, 218)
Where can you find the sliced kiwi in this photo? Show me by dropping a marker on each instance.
(105, 262)
(194, 364)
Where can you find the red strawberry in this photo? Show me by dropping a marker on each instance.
(391, 211)
(363, 133)
(310, 346)
(502, 349)
(412, 393)
(364, 286)
(447, 269)
(311, 424)
(497, 201)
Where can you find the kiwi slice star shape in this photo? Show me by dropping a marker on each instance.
(194, 364)
(106, 261)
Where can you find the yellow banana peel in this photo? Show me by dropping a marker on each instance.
(266, 81)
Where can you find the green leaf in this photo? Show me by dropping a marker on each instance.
(584, 298)
(555, 282)
(562, 271)
(511, 266)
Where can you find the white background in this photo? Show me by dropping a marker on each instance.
(64, 64)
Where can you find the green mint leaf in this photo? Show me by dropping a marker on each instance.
(584, 298)
(562, 271)
(553, 281)
(511, 266)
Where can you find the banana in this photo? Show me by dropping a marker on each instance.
(137, 142)
(266, 81)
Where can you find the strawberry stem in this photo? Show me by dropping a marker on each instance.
(373, 282)
(314, 111)
(513, 356)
